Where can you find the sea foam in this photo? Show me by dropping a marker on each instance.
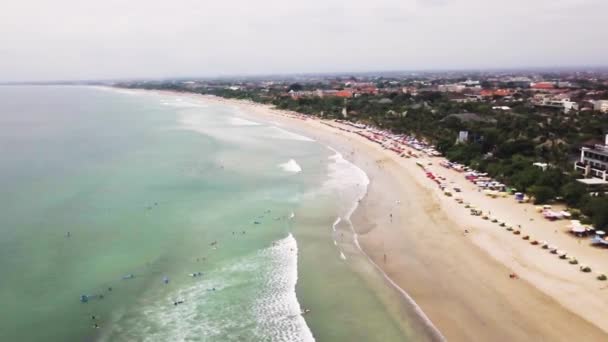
(236, 121)
(274, 315)
(279, 133)
(291, 166)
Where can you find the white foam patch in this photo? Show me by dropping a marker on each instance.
(291, 166)
(199, 123)
(236, 121)
(345, 181)
(122, 91)
(270, 310)
(277, 306)
(279, 133)
(335, 224)
(182, 104)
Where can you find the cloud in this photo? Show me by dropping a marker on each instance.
(70, 39)
(432, 2)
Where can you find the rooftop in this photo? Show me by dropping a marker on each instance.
(593, 181)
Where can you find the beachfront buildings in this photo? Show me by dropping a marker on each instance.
(601, 106)
(550, 101)
(594, 161)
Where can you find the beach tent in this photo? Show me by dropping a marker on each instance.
(579, 231)
(599, 241)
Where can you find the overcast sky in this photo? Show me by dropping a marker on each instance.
(86, 39)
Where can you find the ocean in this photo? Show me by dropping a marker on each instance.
(139, 216)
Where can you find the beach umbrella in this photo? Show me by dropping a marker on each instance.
(578, 229)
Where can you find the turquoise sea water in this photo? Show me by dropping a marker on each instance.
(121, 196)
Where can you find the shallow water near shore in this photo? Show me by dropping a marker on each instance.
(124, 197)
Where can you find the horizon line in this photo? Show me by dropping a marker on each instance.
(261, 75)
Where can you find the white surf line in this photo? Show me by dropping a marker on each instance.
(333, 226)
(418, 310)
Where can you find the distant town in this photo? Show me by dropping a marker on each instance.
(542, 133)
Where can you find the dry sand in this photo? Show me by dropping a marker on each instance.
(461, 280)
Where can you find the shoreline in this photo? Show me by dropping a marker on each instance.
(430, 329)
(465, 292)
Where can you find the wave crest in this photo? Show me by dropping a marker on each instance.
(291, 166)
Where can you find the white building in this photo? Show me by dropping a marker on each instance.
(463, 136)
(594, 161)
(470, 83)
(455, 88)
(542, 100)
(601, 105)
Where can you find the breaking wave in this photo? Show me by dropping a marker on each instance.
(291, 166)
(236, 121)
(279, 133)
(211, 309)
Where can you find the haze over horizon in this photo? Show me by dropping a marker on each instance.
(71, 40)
